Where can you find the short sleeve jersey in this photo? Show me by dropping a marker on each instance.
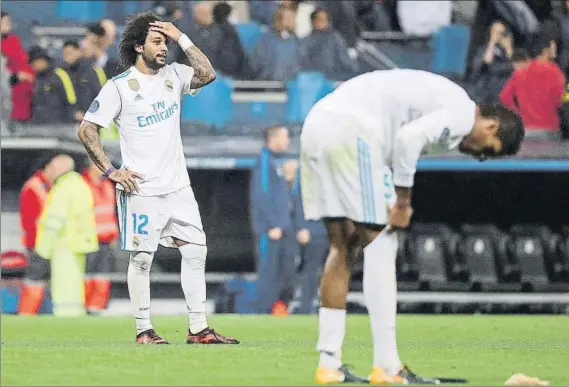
(406, 112)
(146, 110)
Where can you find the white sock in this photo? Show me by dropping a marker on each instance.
(380, 293)
(331, 337)
(138, 279)
(193, 284)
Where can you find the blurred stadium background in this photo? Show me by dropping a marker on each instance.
(486, 237)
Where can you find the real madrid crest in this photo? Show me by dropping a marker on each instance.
(133, 84)
(169, 85)
(135, 241)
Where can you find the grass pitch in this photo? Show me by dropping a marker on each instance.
(275, 351)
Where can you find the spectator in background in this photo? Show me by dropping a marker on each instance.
(5, 91)
(95, 47)
(302, 11)
(32, 201)
(492, 65)
(325, 50)
(520, 58)
(313, 240)
(54, 100)
(21, 73)
(343, 15)
(98, 265)
(423, 18)
(288, 266)
(536, 90)
(204, 33)
(270, 218)
(66, 232)
(262, 11)
(94, 36)
(563, 20)
(110, 37)
(83, 75)
(230, 58)
(276, 56)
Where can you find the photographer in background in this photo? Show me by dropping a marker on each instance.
(492, 64)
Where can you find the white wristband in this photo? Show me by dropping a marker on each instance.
(185, 42)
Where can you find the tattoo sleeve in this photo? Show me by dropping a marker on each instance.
(89, 136)
(203, 70)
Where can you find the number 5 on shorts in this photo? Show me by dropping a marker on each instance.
(140, 228)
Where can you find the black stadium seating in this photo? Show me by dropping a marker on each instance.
(431, 248)
(484, 247)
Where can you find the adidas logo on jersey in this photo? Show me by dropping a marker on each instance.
(138, 97)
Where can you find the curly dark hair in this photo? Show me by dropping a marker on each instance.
(134, 34)
(511, 131)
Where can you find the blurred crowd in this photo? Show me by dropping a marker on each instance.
(37, 89)
(518, 54)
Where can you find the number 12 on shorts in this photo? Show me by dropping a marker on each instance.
(139, 223)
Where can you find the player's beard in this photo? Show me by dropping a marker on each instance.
(151, 62)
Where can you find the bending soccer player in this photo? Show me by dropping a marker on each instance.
(377, 120)
(155, 201)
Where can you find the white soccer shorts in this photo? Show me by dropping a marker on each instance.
(147, 221)
(343, 173)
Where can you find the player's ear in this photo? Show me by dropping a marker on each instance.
(138, 48)
(492, 126)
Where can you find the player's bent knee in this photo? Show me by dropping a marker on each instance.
(141, 260)
(194, 254)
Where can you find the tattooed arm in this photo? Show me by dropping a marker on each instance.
(89, 136)
(204, 73)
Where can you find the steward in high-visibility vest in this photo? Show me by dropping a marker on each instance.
(66, 233)
(97, 284)
(32, 201)
(54, 98)
(85, 78)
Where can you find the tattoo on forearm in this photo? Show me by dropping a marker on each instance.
(203, 70)
(89, 136)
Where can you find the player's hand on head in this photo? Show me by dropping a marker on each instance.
(166, 28)
(400, 215)
(127, 179)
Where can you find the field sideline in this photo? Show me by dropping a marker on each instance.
(275, 351)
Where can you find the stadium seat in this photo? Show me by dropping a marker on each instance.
(556, 261)
(249, 34)
(563, 249)
(527, 247)
(84, 11)
(303, 92)
(450, 45)
(484, 250)
(427, 246)
(212, 106)
(407, 270)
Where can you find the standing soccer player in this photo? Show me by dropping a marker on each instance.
(156, 204)
(379, 119)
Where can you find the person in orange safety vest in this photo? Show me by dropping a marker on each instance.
(97, 284)
(32, 201)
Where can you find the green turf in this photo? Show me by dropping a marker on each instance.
(276, 351)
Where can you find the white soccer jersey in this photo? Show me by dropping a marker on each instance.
(146, 110)
(406, 112)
